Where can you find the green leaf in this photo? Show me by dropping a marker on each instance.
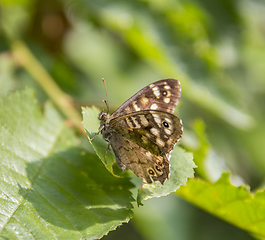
(49, 187)
(210, 167)
(236, 205)
(181, 168)
(7, 69)
(202, 152)
(90, 119)
(91, 125)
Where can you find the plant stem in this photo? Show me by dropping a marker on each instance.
(63, 101)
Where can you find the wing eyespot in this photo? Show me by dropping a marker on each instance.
(151, 172)
(166, 124)
(158, 169)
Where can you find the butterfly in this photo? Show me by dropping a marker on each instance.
(143, 130)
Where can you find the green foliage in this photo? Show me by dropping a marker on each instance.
(233, 204)
(90, 119)
(214, 48)
(50, 187)
(203, 150)
(7, 68)
(236, 205)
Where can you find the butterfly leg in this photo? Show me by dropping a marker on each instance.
(107, 152)
(99, 131)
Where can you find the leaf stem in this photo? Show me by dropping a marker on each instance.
(63, 101)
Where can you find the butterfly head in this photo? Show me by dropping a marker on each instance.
(103, 116)
(104, 123)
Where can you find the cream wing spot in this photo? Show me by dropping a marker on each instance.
(154, 106)
(167, 131)
(160, 142)
(156, 92)
(168, 120)
(136, 108)
(167, 87)
(166, 100)
(144, 101)
(155, 132)
(157, 119)
(148, 154)
(143, 120)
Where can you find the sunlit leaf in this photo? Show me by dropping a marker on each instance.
(49, 187)
(236, 205)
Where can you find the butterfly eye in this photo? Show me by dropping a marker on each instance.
(151, 172)
(165, 124)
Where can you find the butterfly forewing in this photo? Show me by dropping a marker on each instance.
(162, 95)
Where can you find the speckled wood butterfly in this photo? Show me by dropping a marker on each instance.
(143, 131)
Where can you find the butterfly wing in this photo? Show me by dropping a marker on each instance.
(143, 131)
(161, 128)
(144, 163)
(162, 95)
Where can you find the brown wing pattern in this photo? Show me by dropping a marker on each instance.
(161, 128)
(143, 131)
(162, 95)
(143, 163)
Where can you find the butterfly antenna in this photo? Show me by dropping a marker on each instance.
(106, 101)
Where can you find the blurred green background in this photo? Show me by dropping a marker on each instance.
(216, 49)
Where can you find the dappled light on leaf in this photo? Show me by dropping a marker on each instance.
(51, 188)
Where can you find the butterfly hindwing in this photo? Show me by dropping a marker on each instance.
(162, 95)
(143, 163)
(162, 128)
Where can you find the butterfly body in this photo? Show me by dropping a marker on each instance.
(143, 131)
